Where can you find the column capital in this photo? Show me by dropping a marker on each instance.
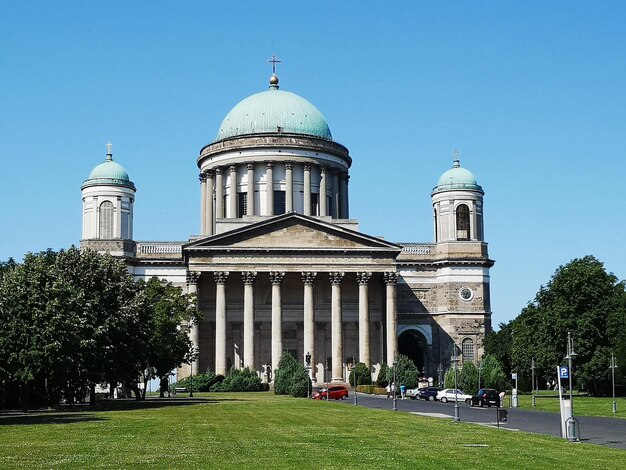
(202, 177)
(250, 166)
(308, 278)
(276, 277)
(288, 166)
(269, 165)
(218, 171)
(336, 277)
(391, 278)
(209, 174)
(323, 169)
(248, 277)
(307, 167)
(220, 277)
(363, 278)
(193, 277)
(232, 168)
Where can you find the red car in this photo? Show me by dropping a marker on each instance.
(334, 393)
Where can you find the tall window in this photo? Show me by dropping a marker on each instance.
(315, 203)
(436, 228)
(462, 223)
(279, 202)
(468, 350)
(106, 220)
(242, 204)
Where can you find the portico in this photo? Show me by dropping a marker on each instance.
(324, 291)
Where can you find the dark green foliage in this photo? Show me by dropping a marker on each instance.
(406, 372)
(239, 380)
(201, 382)
(383, 374)
(363, 374)
(291, 377)
(492, 375)
(468, 378)
(581, 297)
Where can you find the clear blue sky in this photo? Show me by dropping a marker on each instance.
(533, 94)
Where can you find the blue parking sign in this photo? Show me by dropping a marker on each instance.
(564, 372)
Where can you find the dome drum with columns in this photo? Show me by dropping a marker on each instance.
(279, 265)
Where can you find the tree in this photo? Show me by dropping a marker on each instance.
(582, 298)
(406, 372)
(499, 344)
(363, 374)
(468, 378)
(168, 345)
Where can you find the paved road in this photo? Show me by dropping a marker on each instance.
(603, 431)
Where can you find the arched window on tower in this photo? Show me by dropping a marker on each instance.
(468, 350)
(106, 220)
(436, 227)
(462, 223)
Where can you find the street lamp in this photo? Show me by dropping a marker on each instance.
(571, 431)
(356, 381)
(393, 386)
(532, 368)
(440, 375)
(455, 360)
(480, 369)
(613, 367)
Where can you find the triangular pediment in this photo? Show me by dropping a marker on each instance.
(290, 232)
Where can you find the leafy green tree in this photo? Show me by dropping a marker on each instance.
(499, 344)
(406, 372)
(383, 375)
(291, 377)
(492, 375)
(364, 377)
(168, 345)
(468, 378)
(448, 378)
(582, 298)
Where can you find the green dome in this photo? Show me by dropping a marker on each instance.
(457, 178)
(109, 173)
(274, 111)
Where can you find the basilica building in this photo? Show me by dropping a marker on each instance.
(280, 265)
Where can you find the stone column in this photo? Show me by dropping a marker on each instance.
(248, 319)
(277, 318)
(309, 320)
(203, 221)
(219, 194)
(473, 231)
(335, 197)
(323, 208)
(269, 190)
(307, 190)
(289, 184)
(250, 193)
(364, 318)
(336, 327)
(392, 317)
(232, 195)
(194, 328)
(220, 322)
(210, 222)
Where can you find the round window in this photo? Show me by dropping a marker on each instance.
(466, 293)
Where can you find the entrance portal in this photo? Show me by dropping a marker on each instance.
(412, 344)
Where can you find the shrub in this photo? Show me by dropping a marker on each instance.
(201, 382)
(239, 380)
(406, 372)
(382, 380)
(468, 378)
(363, 375)
(291, 377)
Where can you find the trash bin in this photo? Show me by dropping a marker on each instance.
(502, 414)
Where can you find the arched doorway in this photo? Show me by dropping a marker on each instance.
(411, 343)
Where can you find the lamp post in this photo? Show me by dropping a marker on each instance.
(440, 376)
(191, 377)
(455, 359)
(613, 367)
(571, 431)
(356, 380)
(532, 369)
(393, 386)
(480, 370)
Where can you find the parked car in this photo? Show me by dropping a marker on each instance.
(486, 396)
(413, 393)
(428, 393)
(451, 394)
(334, 393)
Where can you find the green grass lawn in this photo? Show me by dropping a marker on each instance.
(261, 430)
(583, 406)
